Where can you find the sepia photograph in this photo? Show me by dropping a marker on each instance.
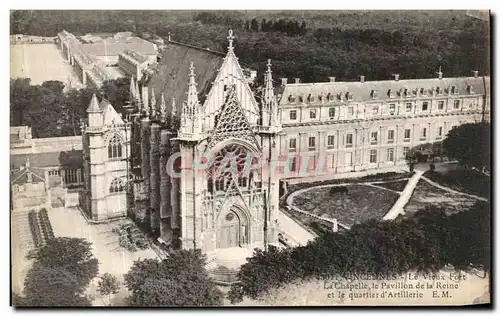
(236, 158)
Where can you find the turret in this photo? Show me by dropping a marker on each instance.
(163, 108)
(191, 117)
(153, 109)
(94, 113)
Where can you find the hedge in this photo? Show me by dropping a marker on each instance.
(426, 242)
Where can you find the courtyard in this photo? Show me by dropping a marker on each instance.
(40, 62)
(362, 202)
(426, 194)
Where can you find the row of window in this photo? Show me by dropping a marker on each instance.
(330, 140)
(348, 161)
(375, 109)
(71, 176)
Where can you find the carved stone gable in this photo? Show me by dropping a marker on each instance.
(232, 122)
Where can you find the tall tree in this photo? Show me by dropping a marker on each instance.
(108, 285)
(71, 254)
(254, 25)
(52, 286)
(179, 280)
(470, 144)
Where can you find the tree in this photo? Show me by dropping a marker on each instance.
(470, 144)
(108, 285)
(52, 286)
(179, 280)
(73, 255)
(254, 25)
(117, 92)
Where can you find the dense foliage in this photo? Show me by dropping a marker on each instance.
(470, 144)
(62, 270)
(108, 285)
(51, 111)
(426, 242)
(311, 45)
(179, 280)
(463, 180)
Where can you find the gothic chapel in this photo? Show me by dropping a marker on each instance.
(195, 108)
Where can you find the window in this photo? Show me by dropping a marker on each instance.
(71, 176)
(292, 163)
(407, 134)
(390, 136)
(311, 98)
(423, 133)
(293, 115)
(405, 151)
(439, 132)
(440, 105)
(292, 144)
(425, 106)
(349, 96)
(330, 141)
(115, 148)
(350, 110)
(312, 143)
(331, 112)
(456, 104)
(348, 140)
(330, 97)
(116, 186)
(373, 138)
(392, 108)
(312, 114)
(219, 185)
(291, 99)
(390, 154)
(348, 159)
(242, 181)
(375, 109)
(408, 107)
(373, 156)
(55, 173)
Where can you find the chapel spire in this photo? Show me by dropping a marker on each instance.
(268, 89)
(153, 109)
(163, 108)
(230, 39)
(191, 112)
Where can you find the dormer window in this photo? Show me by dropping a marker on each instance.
(348, 96)
(407, 93)
(320, 97)
(341, 96)
(374, 94)
(291, 98)
(301, 99)
(390, 93)
(439, 90)
(330, 97)
(422, 91)
(454, 90)
(470, 89)
(311, 98)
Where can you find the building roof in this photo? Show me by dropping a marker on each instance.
(21, 176)
(109, 114)
(171, 75)
(140, 58)
(112, 47)
(94, 105)
(70, 158)
(363, 91)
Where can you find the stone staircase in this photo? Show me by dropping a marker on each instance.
(21, 233)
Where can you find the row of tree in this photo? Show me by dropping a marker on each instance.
(427, 242)
(51, 110)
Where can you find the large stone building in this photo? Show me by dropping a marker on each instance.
(199, 156)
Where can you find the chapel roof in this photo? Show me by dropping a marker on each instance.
(171, 75)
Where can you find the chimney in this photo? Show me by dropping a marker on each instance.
(396, 77)
(284, 81)
(332, 79)
(476, 73)
(297, 80)
(440, 73)
(362, 79)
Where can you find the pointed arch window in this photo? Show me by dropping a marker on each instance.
(116, 186)
(115, 148)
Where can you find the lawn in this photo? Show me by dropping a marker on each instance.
(468, 181)
(393, 185)
(361, 203)
(426, 194)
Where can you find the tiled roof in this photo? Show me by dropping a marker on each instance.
(110, 47)
(21, 176)
(364, 91)
(171, 75)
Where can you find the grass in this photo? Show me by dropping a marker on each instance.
(393, 185)
(463, 180)
(426, 194)
(361, 203)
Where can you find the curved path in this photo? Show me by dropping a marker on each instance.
(398, 207)
(437, 185)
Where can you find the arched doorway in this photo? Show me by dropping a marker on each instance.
(232, 229)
